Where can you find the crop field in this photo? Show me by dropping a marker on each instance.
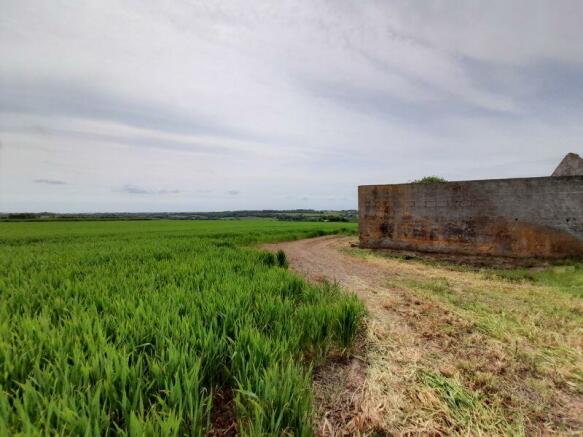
(162, 328)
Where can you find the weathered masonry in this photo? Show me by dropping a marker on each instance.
(529, 217)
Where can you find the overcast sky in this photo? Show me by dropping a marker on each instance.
(204, 105)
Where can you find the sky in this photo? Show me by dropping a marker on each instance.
(219, 105)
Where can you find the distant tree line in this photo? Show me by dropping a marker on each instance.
(285, 215)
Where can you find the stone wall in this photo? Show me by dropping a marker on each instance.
(571, 165)
(533, 217)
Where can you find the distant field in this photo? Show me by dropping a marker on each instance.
(304, 215)
(162, 328)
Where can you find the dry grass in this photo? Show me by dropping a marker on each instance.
(497, 356)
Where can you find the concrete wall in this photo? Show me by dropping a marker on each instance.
(571, 165)
(541, 217)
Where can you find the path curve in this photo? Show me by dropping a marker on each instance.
(322, 258)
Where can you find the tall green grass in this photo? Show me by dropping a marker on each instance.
(131, 328)
(566, 276)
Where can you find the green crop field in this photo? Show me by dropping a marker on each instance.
(150, 328)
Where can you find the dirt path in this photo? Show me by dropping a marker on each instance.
(425, 367)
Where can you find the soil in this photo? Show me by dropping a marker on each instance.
(223, 415)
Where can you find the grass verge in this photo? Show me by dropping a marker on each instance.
(502, 347)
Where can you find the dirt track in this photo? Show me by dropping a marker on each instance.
(361, 401)
(387, 390)
(321, 259)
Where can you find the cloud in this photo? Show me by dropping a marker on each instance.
(307, 99)
(44, 96)
(50, 182)
(134, 189)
